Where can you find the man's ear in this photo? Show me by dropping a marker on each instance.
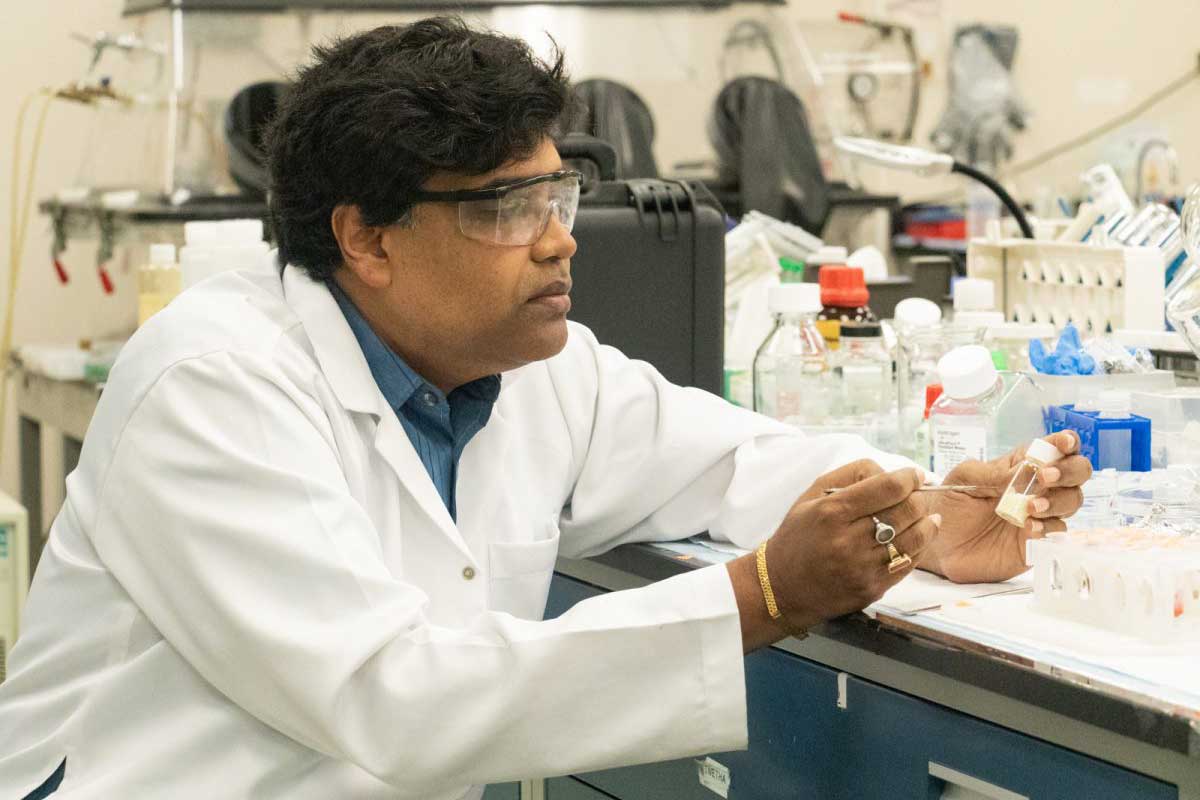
(362, 246)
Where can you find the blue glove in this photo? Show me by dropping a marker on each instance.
(1068, 357)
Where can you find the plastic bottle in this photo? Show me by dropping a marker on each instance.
(215, 247)
(159, 281)
(791, 369)
(1014, 503)
(790, 270)
(844, 298)
(865, 393)
(975, 303)
(981, 414)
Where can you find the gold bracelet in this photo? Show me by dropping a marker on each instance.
(764, 580)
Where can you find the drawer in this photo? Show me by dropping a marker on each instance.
(895, 738)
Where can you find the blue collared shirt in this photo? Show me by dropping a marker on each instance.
(438, 425)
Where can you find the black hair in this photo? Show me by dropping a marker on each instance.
(378, 112)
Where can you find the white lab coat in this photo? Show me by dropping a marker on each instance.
(253, 589)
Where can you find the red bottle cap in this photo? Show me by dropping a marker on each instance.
(843, 286)
(932, 392)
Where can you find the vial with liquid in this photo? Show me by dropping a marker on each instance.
(1014, 503)
(792, 382)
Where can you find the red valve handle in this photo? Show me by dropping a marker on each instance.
(61, 271)
(105, 280)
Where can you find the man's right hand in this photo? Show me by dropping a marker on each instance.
(823, 561)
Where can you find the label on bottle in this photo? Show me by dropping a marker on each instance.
(952, 446)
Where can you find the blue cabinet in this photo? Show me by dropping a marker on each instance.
(883, 745)
(897, 740)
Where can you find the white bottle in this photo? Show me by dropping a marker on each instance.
(158, 281)
(981, 413)
(791, 368)
(975, 303)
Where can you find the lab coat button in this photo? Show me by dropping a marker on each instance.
(430, 399)
(468, 573)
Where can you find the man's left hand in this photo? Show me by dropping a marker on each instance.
(976, 546)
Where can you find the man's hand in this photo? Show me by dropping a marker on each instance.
(823, 561)
(976, 546)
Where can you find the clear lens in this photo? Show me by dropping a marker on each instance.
(520, 217)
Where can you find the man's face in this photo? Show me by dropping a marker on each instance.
(484, 305)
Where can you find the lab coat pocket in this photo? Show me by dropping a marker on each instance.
(520, 575)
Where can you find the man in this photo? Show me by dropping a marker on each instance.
(308, 546)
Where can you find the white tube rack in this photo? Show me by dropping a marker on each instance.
(1100, 289)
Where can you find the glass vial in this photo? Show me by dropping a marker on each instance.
(1014, 503)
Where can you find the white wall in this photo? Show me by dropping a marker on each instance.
(1078, 63)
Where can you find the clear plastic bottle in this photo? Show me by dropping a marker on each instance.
(918, 350)
(159, 281)
(982, 414)
(791, 368)
(1014, 503)
(865, 390)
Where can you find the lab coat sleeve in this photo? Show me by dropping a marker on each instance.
(226, 517)
(658, 462)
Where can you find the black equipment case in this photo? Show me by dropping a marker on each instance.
(649, 275)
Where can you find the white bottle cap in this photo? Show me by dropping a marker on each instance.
(1114, 404)
(1042, 451)
(917, 312)
(794, 298)
(827, 254)
(974, 294)
(967, 372)
(162, 254)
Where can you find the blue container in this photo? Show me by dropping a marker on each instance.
(1122, 444)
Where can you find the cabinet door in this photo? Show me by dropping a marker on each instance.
(796, 748)
(906, 747)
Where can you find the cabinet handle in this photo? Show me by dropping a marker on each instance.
(974, 788)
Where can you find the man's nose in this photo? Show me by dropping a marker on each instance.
(556, 242)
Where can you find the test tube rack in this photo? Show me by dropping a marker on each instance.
(1099, 288)
(1127, 580)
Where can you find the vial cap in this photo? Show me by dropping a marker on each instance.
(1042, 451)
(974, 294)
(967, 372)
(917, 312)
(843, 286)
(1114, 403)
(794, 298)
(162, 253)
(791, 265)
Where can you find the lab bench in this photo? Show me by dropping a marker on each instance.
(885, 708)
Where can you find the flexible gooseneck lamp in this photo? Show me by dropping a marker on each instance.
(928, 164)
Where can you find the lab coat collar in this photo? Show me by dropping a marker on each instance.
(345, 367)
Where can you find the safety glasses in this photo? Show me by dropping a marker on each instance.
(516, 213)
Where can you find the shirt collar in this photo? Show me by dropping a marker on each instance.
(396, 379)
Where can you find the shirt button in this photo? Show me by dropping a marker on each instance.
(430, 399)
(468, 573)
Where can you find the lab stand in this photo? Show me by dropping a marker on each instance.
(66, 407)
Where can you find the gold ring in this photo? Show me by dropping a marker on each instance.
(899, 561)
